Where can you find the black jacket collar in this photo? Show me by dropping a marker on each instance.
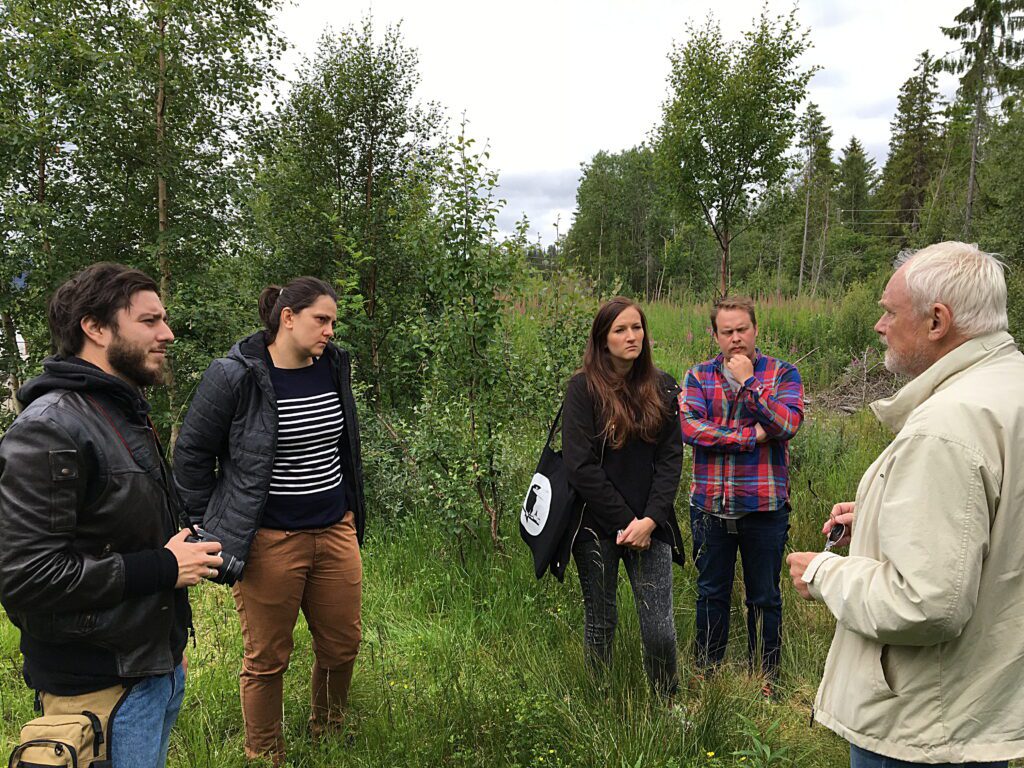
(77, 375)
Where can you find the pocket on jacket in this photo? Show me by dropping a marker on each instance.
(883, 663)
(883, 679)
(64, 490)
(912, 670)
(121, 627)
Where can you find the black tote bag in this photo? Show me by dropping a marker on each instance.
(549, 510)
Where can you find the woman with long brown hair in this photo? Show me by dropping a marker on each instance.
(623, 451)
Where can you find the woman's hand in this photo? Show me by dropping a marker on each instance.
(637, 535)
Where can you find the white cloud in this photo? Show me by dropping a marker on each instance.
(548, 84)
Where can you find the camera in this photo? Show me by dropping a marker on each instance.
(230, 570)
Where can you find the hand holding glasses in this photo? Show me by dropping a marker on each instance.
(838, 531)
(835, 535)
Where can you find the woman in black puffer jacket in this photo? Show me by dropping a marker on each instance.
(268, 462)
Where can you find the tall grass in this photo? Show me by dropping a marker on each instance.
(821, 335)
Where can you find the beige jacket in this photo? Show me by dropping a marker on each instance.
(927, 664)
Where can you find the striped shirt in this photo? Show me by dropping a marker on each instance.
(306, 483)
(732, 473)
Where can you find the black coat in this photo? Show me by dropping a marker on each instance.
(638, 480)
(84, 495)
(224, 456)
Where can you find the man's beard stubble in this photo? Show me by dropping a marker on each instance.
(130, 362)
(909, 364)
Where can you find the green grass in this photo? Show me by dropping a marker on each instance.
(821, 335)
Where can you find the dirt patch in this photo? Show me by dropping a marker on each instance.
(864, 381)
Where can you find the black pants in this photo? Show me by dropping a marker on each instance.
(650, 574)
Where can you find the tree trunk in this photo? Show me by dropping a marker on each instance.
(41, 191)
(41, 178)
(822, 249)
(664, 265)
(371, 311)
(975, 135)
(723, 283)
(647, 274)
(9, 330)
(163, 259)
(778, 270)
(807, 217)
(371, 284)
(10, 336)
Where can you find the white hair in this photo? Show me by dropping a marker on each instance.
(964, 278)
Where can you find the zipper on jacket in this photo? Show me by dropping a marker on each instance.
(673, 393)
(579, 527)
(675, 544)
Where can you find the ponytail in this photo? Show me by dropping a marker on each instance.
(299, 294)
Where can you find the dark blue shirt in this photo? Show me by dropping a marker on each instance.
(306, 485)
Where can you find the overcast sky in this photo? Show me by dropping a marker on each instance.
(548, 83)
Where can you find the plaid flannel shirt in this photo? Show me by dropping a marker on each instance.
(732, 473)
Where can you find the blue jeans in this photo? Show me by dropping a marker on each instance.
(861, 758)
(760, 538)
(142, 725)
(650, 574)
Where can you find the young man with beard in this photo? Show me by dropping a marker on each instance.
(739, 411)
(93, 569)
(925, 667)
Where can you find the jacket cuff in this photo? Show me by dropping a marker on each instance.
(812, 570)
(611, 527)
(149, 571)
(659, 518)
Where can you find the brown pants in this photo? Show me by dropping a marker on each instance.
(320, 571)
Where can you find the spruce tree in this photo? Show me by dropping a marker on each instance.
(857, 179)
(914, 148)
(818, 180)
(987, 61)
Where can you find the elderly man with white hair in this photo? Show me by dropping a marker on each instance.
(927, 663)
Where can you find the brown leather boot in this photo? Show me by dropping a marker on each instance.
(329, 697)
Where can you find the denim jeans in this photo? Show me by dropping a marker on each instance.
(760, 538)
(142, 725)
(650, 574)
(861, 758)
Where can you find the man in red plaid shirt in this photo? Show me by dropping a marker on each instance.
(739, 412)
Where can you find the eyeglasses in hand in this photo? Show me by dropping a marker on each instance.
(835, 535)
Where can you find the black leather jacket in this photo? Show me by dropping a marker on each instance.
(225, 451)
(83, 501)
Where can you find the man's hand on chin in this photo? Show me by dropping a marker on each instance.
(740, 367)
